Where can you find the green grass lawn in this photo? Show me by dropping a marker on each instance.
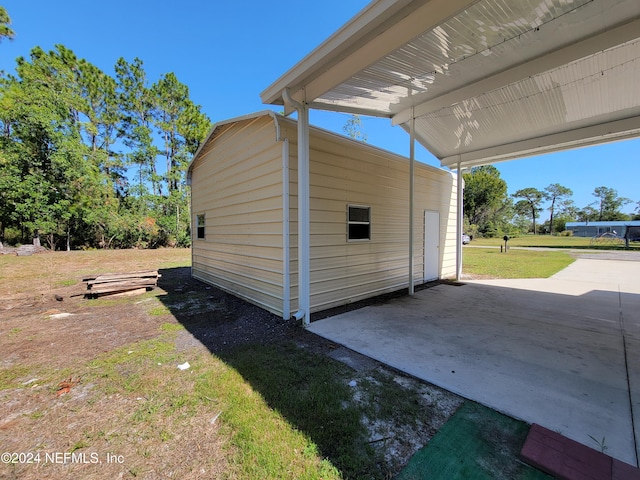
(535, 241)
(552, 241)
(491, 262)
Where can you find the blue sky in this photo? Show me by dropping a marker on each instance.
(228, 52)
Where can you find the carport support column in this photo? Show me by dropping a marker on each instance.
(459, 224)
(412, 154)
(304, 261)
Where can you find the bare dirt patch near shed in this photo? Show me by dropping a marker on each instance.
(41, 330)
(97, 379)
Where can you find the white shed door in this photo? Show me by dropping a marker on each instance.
(431, 245)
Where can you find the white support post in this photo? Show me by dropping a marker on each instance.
(304, 262)
(459, 224)
(411, 200)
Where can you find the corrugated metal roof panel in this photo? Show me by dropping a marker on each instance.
(575, 95)
(429, 61)
(510, 76)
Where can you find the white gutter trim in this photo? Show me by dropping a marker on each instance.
(304, 237)
(286, 252)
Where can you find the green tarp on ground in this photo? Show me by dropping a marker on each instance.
(477, 443)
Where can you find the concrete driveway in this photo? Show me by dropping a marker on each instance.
(562, 352)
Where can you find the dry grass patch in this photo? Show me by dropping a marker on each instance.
(131, 406)
(259, 400)
(132, 413)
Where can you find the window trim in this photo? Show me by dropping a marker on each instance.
(201, 235)
(349, 223)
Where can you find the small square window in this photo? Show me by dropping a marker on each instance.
(200, 226)
(358, 223)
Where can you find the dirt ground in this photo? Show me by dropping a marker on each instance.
(44, 331)
(49, 332)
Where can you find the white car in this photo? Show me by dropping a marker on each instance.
(465, 238)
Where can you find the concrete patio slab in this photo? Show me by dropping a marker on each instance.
(547, 351)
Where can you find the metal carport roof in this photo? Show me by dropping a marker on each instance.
(485, 81)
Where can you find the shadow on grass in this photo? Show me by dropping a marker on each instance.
(309, 389)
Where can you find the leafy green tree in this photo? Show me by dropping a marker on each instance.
(530, 203)
(609, 204)
(353, 128)
(555, 193)
(66, 129)
(485, 199)
(9, 193)
(101, 109)
(170, 98)
(180, 123)
(522, 223)
(5, 21)
(42, 140)
(137, 110)
(566, 211)
(587, 214)
(182, 127)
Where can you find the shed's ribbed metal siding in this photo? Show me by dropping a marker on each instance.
(237, 184)
(346, 173)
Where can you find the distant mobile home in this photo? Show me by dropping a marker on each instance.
(620, 228)
(244, 205)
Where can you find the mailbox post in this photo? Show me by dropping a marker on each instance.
(506, 239)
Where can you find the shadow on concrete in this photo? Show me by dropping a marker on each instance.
(568, 362)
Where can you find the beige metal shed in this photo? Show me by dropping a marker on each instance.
(245, 225)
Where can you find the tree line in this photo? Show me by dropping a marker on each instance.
(489, 211)
(91, 159)
(96, 160)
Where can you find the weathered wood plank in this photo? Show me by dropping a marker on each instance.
(118, 293)
(131, 281)
(107, 277)
(127, 293)
(119, 286)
